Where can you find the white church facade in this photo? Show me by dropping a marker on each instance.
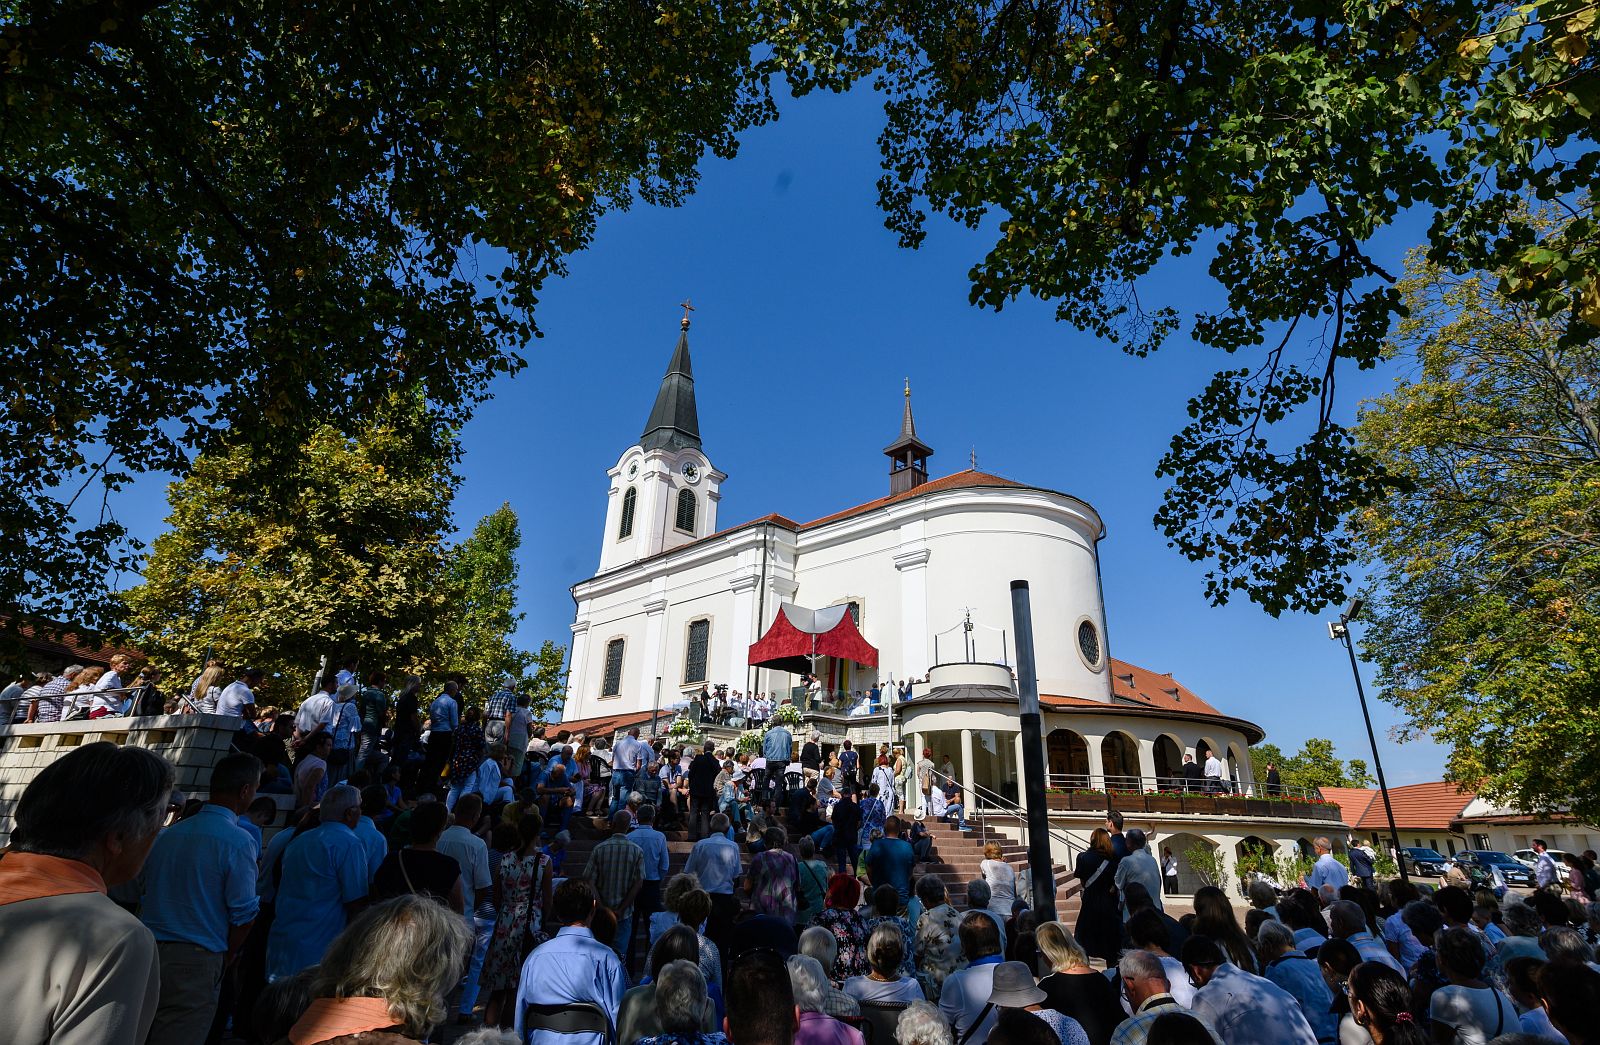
(676, 603)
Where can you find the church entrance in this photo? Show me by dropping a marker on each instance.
(1068, 756)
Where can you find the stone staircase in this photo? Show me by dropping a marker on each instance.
(956, 858)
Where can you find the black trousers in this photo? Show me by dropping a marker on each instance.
(701, 808)
(440, 747)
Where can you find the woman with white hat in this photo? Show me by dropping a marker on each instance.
(1014, 988)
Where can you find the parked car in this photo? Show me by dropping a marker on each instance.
(1530, 859)
(1424, 862)
(1487, 864)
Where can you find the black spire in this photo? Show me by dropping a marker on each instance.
(674, 423)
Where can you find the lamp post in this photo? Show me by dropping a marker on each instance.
(1340, 631)
(1040, 860)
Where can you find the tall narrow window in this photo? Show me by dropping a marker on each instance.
(686, 510)
(611, 684)
(694, 656)
(630, 501)
(855, 613)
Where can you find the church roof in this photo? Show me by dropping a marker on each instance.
(674, 422)
(966, 480)
(908, 432)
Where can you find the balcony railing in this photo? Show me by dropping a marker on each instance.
(1134, 794)
(1237, 788)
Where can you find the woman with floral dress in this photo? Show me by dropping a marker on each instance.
(873, 815)
(774, 877)
(469, 749)
(524, 887)
(841, 918)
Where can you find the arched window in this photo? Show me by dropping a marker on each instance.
(630, 501)
(611, 682)
(686, 510)
(694, 656)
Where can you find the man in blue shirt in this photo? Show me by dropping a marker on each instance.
(890, 859)
(715, 861)
(444, 715)
(1327, 870)
(657, 864)
(323, 880)
(627, 759)
(777, 747)
(200, 901)
(374, 800)
(571, 967)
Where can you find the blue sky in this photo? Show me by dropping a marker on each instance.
(808, 318)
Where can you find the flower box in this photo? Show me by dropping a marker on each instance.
(1263, 807)
(1057, 800)
(1197, 803)
(1230, 806)
(1160, 803)
(1088, 801)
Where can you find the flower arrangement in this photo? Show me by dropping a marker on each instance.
(749, 742)
(684, 731)
(786, 714)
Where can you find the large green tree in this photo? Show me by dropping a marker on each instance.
(1278, 139)
(1486, 566)
(476, 631)
(344, 559)
(1314, 765)
(229, 223)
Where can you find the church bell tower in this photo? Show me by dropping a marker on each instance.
(664, 491)
(908, 455)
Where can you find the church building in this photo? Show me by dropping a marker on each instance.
(677, 601)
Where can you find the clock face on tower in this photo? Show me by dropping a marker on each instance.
(691, 471)
(633, 471)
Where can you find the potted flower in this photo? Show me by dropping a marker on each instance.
(786, 715)
(1055, 798)
(1199, 802)
(1233, 805)
(685, 731)
(749, 742)
(1085, 800)
(1163, 802)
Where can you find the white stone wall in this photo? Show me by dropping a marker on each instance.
(192, 743)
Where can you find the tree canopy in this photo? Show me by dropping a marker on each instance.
(1314, 765)
(475, 630)
(345, 560)
(229, 224)
(1485, 595)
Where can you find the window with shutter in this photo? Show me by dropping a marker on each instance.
(686, 510)
(611, 683)
(630, 501)
(694, 657)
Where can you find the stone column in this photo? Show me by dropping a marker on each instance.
(912, 562)
(1097, 765)
(964, 770)
(742, 632)
(1147, 765)
(650, 665)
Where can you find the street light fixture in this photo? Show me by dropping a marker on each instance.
(1339, 631)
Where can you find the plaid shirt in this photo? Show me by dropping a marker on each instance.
(615, 867)
(50, 700)
(500, 705)
(1135, 1030)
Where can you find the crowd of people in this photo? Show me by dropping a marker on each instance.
(424, 877)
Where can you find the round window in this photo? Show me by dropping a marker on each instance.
(1089, 643)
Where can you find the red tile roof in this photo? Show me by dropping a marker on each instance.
(65, 644)
(1431, 806)
(1353, 802)
(604, 724)
(966, 480)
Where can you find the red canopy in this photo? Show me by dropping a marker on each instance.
(798, 633)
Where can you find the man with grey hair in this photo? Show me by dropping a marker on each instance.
(1148, 992)
(1139, 866)
(921, 1023)
(820, 943)
(1288, 966)
(322, 882)
(1349, 923)
(1327, 870)
(616, 870)
(811, 987)
(74, 966)
(47, 704)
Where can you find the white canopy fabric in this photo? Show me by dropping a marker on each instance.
(814, 622)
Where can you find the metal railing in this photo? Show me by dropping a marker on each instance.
(1172, 784)
(995, 804)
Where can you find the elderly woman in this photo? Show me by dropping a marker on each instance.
(388, 971)
(885, 910)
(841, 919)
(922, 1024)
(678, 886)
(774, 876)
(694, 908)
(1075, 989)
(74, 966)
(640, 1013)
(886, 981)
(810, 993)
(680, 1005)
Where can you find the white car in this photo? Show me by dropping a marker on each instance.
(1530, 859)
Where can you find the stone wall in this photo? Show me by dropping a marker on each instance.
(192, 743)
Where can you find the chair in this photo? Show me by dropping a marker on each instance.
(881, 1018)
(579, 1017)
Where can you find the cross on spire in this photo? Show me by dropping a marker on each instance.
(687, 308)
(974, 458)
